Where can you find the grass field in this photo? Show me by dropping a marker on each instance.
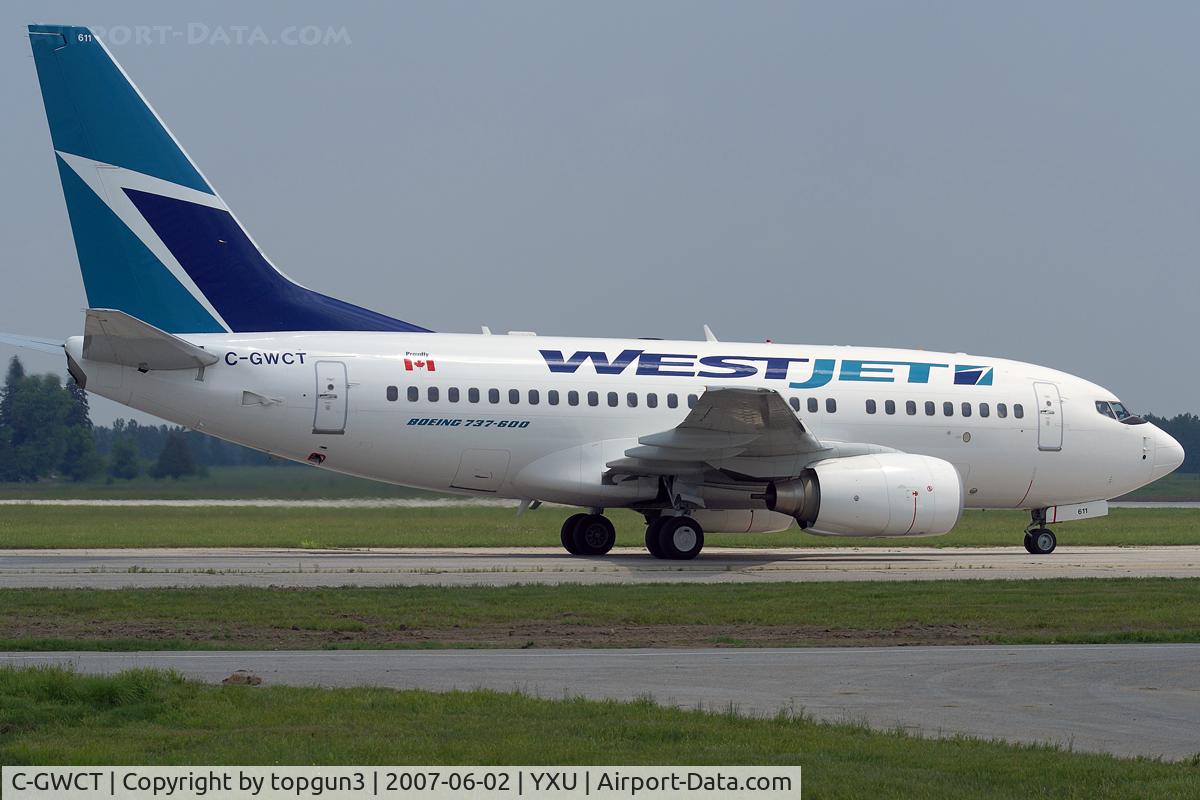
(283, 481)
(776, 614)
(91, 527)
(295, 481)
(145, 717)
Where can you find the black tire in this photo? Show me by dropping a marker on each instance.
(1029, 542)
(1044, 541)
(652, 529)
(680, 538)
(567, 534)
(594, 535)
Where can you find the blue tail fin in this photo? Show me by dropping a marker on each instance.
(153, 237)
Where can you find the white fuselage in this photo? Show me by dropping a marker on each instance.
(325, 397)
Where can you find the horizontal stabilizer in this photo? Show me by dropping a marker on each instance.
(30, 343)
(114, 337)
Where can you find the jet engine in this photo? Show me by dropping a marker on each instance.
(886, 494)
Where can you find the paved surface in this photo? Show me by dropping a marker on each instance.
(493, 566)
(1123, 699)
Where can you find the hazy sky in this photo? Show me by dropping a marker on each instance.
(1015, 179)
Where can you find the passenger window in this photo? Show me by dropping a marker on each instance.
(514, 396)
(948, 408)
(493, 395)
(593, 398)
(1018, 410)
(652, 400)
(794, 402)
(452, 394)
(871, 407)
(534, 397)
(910, 408)
(692, 398)
(413, 394)
(1002, 410)
(672, 401)
(572, 398)
(552, 397)
(831, 405)
(433, 394)
(612, 399)
(984, 410)
(631, 399)
(812, 405)
(473, 395)
(930, 408)
(966, 409)
(889, 406)
(393, 394)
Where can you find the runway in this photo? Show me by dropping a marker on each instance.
(1121, 699)
(119, 568)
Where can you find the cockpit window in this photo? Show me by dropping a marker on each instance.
(1111, 408)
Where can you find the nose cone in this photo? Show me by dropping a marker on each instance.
(1168, 454)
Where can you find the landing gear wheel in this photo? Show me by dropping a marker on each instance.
(680, 538)
(567, 534)
(1041, 542)
(594, 535)
(652, 529)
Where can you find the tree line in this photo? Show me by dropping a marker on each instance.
(46, 431)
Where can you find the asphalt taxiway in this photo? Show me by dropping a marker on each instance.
(118, 568)
(1121, 699)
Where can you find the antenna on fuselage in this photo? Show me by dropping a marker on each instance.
(709, 336)
(486, 330)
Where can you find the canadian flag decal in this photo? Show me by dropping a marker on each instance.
(425, 364)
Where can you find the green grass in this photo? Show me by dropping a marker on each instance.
(146, 717)
(282, 481)
(775, 614)
(66, 526)
(1178, 486)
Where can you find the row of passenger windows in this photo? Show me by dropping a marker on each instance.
(553, 397)
(931, 409)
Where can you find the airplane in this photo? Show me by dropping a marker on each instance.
(190, 322)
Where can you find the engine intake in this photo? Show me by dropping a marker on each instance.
(886, 494)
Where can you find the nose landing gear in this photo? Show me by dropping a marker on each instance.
(1039, 540)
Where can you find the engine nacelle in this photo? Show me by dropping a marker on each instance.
(743, 520)
(886, 494)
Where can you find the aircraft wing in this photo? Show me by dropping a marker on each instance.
(747, 433)
(728, 426)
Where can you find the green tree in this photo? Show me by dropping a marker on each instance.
(80, 459)
(36, 411)
(175, 460)
(123, 462)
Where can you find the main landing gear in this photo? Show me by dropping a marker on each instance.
(1039, 540)
(676, 538)
(588, 535)
(669, 537)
